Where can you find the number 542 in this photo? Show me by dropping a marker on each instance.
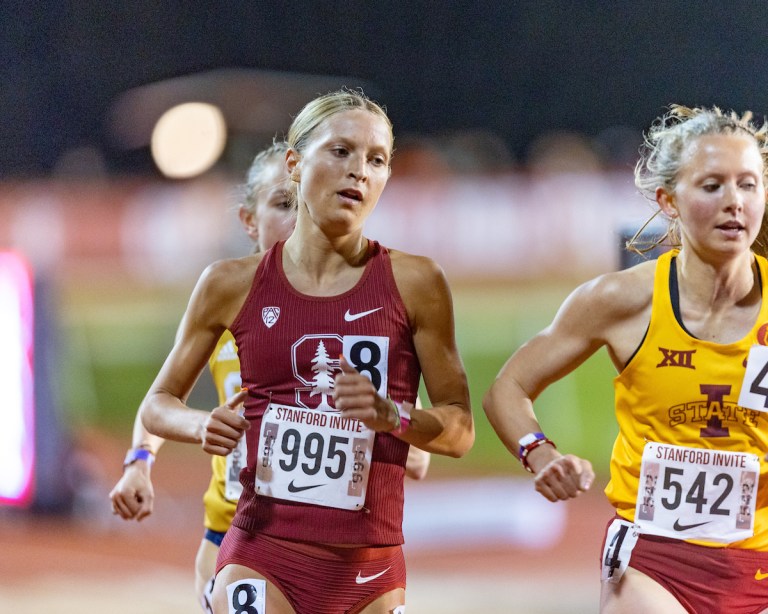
(696, 493)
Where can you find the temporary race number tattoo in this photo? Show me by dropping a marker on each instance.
(247, 596)
(236, 459)
(754, 387)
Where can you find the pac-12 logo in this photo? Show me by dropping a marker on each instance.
(315, 361)
(269, 315)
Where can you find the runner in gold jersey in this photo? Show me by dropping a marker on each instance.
(687, 335)
(267, 217)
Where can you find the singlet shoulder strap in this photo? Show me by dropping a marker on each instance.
(762, 270)
(661, 296)
(272, 257)
(384, 261)
(674, 296)
(762, 275)
(663, 282)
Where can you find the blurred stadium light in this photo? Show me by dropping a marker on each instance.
(17, 420)
(188, 139)
(35, 454)
(256, 106)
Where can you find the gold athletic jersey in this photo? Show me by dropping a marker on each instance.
(225, 369)
(680, 390)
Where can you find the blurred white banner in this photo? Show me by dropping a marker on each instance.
(513, 226)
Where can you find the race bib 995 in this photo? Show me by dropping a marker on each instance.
(313, 456)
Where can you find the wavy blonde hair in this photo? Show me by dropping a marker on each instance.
(661, 159)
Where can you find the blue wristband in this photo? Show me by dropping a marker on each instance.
(135, 454)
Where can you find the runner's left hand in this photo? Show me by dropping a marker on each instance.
(355, 397)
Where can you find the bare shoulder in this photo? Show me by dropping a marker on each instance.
(423, 287)
(232, 271)
(612, 310)
(415, 271)
(620, 294)
(224, 285)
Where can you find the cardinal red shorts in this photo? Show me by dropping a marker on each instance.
(317, 579)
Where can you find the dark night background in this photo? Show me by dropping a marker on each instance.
(514, 69)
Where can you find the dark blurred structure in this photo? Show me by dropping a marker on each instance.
(37, 450)
(511, 69)
(57, 477)
(652, 233)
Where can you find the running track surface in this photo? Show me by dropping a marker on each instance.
(94, 562)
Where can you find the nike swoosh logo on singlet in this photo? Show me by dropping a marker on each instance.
(684, 527)
(351, 317)
(759, 575)
(293, 488)
(361, 579)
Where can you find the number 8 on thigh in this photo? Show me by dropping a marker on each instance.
(247, 596)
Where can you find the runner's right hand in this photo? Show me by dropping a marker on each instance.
(224, 426)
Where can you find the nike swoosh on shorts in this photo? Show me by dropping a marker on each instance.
(363, 579)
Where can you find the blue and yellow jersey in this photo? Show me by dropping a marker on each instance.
(225, 369)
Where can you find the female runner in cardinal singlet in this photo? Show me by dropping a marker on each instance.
(334, 332)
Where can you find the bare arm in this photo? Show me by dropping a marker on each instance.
(215, 302)
(133, 496)
(417, 464)
(610, 311)
(447, 427)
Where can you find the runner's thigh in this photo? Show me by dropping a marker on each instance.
(636, 592)
(276, 603)
(387, 603)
